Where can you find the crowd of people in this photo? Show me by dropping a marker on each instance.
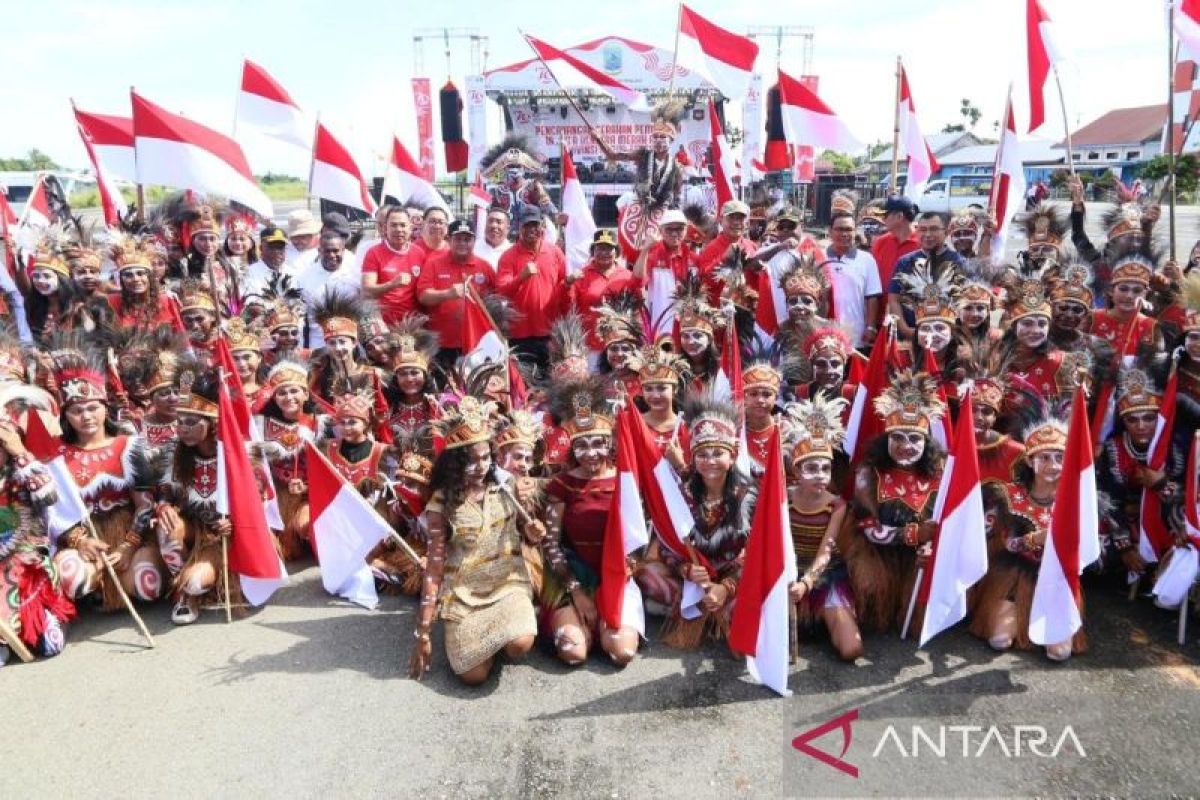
(499, 474)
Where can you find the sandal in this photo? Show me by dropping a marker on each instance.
(184, 613)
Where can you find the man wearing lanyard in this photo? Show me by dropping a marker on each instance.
(854, 276)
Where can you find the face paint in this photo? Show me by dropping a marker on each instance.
(933, 336)
(1032, 331)
(906, 447)
(693, 342)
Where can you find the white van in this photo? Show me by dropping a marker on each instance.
(957, 193)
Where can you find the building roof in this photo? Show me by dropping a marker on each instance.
(939, 143)
(1034, 151)
(1122, 126)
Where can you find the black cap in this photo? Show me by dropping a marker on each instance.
(459, 226)
(529, 214)
(272, 235)
(333, 221)
(899, 202)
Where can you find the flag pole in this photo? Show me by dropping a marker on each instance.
(675, 53)
(916, 591)
(10, 637)
(994, 194)
(1062, 102)
(225, 576)
(554, 78)
(112, 576)
(1172, 57)
(896, 132)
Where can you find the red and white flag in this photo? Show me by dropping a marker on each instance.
(1043, 55)
(482, 342)
(921, 163)
(942, 429)
(807, 120)
(1008, 184)
(252, 554)
(572, 73)
(580, 227)
(721, 166)
(335, 174)
(266, 108)
(729, 387)
(1074, 539)
(722, 57)
(959, 556)
(618, 598)
(863, 424)
(112, 204)
(403, 181)
(1187, 27)
(69, 509)
(345, 529)
(174, 151)
(760, 626)
(112, 140)
(38, 214)
(1154, 538)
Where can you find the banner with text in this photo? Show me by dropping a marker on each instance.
(423, 103)
(624, 130)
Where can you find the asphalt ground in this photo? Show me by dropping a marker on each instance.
(309, 697)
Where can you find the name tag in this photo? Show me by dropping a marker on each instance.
(405, 279)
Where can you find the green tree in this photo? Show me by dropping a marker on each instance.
(841, 162)
(970, 114)
(1187, 171)
(34, 160)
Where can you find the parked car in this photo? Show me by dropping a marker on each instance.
(956, 193)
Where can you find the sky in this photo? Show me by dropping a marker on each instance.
(354, 67)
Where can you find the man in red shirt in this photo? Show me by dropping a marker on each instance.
(601, 278)
(733, 232)
(388, 272)
(900, 239)
(531, 275)
(662, 269)
(432, 238)
(442, 285)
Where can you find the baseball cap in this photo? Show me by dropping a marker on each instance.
(734, 207)
(273, 235)
(672, 216)
(333, 221)
(531, 214)
(459, 226)
(899, 202)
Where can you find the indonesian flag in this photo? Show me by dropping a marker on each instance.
(1105, 416)
(252, 553)
(69, 509)
(345, 529)
(1187, 26)
(760, 625)
(959, 556)
(618, 598)
(921, 163)
(481, 341)
(89, 125)
(335, 174)
(864, 424)
(38, 214)
(729, 387)
(266, 107)
(1042, 56)
(1008, 187)
(721, 57)
(721, 166)
(8, 223)
(570, 72)
(1154, 538)
(1174, 581)
(112, 140)
(942, 430)
(174, 151)
(808, 121)
(1074, 539)
(403, 181)
(580, 227)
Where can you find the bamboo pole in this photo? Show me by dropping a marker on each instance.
(10, 637)
(1062, 102)
(896, 133)
(675, 53)
(112, 576)
(1171, 58)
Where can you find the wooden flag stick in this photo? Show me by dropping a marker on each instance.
(10, 637)
(225, 573)
(112, 576)
(912, 603)
(896, 133)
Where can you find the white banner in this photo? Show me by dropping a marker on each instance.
(475, 100)
(753, 127)
(624, 130)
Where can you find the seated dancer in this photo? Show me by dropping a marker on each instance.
(722, 504)
(894, 495)
(335, 370)
(189, 525)
(822, 593)
(663, 376)
(697, 322)
(578, 501)
(33, 606)
(760, 389)
(286, 422)
(410, 392)
(410, 466)
(1005, 595)
(621, 334)
(116, 476)
(476, 580)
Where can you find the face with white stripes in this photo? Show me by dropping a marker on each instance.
(906, 447)
(814, 474)
(1191, 344)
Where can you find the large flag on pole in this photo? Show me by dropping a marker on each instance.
(570, 72)
(959, 556)
(1043, 56)
(1154, 539)
(112, 204)
(807, 120)
(1073, 541)
(335, 175)
(1187, 27)
(721, 164)
(722, 57)
(1008, 184)
(252, 553)
(618, 598)
(172, 150)
(404, 182)
(760, 627)
(266, 108)
(345, 529)
(112, 140)
(921, 163)
(580, 227)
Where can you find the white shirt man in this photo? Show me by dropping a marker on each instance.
(335, 269)
(854, 276)
(494, 241)
(271, 265)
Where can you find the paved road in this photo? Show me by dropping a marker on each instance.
(308, 697)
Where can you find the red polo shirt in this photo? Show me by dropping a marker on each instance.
(385, 264)
(711, 257)
(441, 272)
(887, 250)
(678, 261)
(538, 297)
(592, 287)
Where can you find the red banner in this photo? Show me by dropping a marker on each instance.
(423, 103)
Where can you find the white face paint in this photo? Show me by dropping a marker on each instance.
(815, 473)
(45, 281)
(1032, 331)
(592, 451)
(693, 342)
(933, 336)
(906, 447)
(801, 306)
(1048, 465)
(479, 461)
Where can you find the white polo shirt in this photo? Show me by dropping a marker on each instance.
(855, 277)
